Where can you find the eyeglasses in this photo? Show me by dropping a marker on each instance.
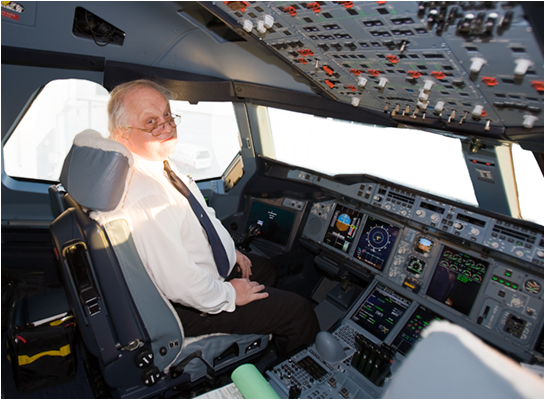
(159, 128)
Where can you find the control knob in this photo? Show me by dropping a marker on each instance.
(458, 226)
(539, 253)
(495, 245)
(377, 198)
(421, 213)
(475, 231)
(435, 218)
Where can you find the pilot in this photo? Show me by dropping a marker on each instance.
(210, 296)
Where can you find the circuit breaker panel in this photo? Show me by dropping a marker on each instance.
(463, 65)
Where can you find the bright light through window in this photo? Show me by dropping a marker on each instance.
(530, 185)
(208, 137)
(417, 159)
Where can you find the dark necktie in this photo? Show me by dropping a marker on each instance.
(220, 256)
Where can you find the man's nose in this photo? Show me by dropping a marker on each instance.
(167, 127)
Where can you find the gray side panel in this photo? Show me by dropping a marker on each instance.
(160, 321)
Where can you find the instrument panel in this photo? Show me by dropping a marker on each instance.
(426, 259)
(423, 258)
(493, 296)
(460, 64)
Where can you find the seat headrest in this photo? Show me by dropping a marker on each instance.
(96, 171)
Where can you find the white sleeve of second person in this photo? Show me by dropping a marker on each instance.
(159, 243)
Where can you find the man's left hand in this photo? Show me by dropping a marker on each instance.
(244, 265)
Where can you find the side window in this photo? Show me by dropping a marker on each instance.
(208, 136)
(37, 147)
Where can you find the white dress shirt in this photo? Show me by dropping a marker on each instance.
(172, 243)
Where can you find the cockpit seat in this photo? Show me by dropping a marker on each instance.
(125, 321)
(452, 363)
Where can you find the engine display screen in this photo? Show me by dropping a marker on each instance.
(342, 228)
(276, 223)
(457, 280)
(381, 311)
(411, 332)
(376, 242)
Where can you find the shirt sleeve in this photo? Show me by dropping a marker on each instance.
(157, 237)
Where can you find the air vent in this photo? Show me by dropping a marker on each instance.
(89, 26)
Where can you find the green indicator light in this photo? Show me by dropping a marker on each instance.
(508, 274)
(515, 286)
(507, 283)
(494, 278)
(502, 281)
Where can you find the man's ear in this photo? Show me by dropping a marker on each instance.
(122, 136)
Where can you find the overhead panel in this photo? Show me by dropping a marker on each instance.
(457, 65)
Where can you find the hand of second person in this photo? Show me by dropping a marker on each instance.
(247, 291)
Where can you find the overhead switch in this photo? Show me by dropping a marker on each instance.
(476, 64)
(423, 96)
(261, 27)
(248, 25)
(382, 83)
(522, 66)
(268, 21)
(362, 81)
(439, 106)
(428, 85)
(528, 121)
(477, 111)
(355, 101)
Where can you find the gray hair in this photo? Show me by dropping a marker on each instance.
(117, 112)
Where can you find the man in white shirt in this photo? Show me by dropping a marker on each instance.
(174, 245)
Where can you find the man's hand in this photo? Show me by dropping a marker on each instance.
(247, 291)
(244, 264)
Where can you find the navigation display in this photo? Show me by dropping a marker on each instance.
(457, 280)
(342, 228)
(276, 223)
(376, 242)
(381, 311)
(411, 332)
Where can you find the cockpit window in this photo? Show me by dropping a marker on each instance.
(417, 159)
(37, 147)
(208, 136)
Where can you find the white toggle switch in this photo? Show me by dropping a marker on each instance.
(428, 85)
(423, 96)
(355, 101)
(477, 111)
(528, 121)
(476, 64)
(439, 106)
(268, 21)
(522, 66)
(248, 25)
(422, 105)
(261, 27)
(382, 83)
(362, 81)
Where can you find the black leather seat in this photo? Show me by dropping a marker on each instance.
(125, 321)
